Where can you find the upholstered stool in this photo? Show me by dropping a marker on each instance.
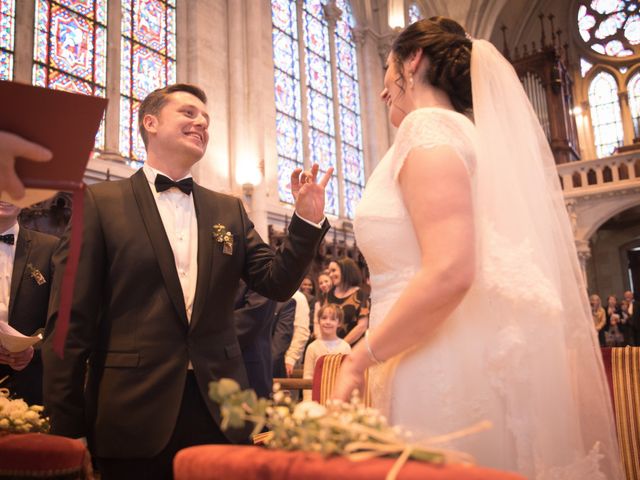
(36, 455)
(325, 374)
(212, 462)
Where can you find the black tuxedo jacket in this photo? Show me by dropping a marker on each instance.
(28, 304)
(128, 318)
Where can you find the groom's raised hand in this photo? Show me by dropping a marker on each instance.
(308, 193)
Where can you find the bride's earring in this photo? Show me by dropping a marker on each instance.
(411, 81)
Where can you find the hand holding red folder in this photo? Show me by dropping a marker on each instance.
(11, 147)
(66, 124)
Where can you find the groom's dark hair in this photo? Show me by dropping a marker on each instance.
(157, 99)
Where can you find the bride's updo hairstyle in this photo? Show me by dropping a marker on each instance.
(448, 49)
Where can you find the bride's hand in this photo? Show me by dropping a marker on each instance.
(350, 378)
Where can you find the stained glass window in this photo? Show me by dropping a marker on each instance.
(286, 61)
(331, 106)
(320, 115)
(605, 114)
(7, 35)
(148, 62)
(585, 66)
(610, 27)
(350, 121)
(633, 91)
(415, 13)
(70, 47)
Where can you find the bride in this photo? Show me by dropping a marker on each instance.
(479, 307)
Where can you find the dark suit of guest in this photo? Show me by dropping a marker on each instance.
(129, 319)
(28, 305)
(254, 317)
(281, 335)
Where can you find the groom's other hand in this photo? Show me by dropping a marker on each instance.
(309, 194)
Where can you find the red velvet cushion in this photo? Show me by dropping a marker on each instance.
(31, 453)
(606, 360)
(209, 462)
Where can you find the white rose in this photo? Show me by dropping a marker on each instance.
(310, 410)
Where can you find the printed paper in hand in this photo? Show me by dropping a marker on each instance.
(12, 340)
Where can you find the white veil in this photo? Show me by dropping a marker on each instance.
(553, 373)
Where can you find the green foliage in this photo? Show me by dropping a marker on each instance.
(340, 429)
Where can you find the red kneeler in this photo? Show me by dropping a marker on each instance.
(36, 455)
(228, 462)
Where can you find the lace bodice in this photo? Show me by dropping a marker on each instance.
(383, 229)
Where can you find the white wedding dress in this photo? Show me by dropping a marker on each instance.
(480, 364)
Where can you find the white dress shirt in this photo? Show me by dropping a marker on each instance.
(300, 329)
(178, 214)
(7, 257)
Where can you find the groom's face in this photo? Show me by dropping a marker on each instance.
(181, 126)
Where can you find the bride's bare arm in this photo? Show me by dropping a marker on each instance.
(436, 189)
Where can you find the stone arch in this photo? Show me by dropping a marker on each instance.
(604, 210)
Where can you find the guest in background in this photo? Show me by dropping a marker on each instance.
(281, 335)
(348, 295)
(330, 318)
(324, 287)
(613, 335)
(25, 280)
(324, 283)
(293, 357)
(599, 316)
(308, 288)
(254, 316)
(634, 318)
(616, 323)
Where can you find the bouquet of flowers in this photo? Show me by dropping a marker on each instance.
(18, 417)
(348, 429)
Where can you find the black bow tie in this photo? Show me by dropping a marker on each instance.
(8, 238)
(163, 183)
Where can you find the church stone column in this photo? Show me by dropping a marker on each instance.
(584, 254)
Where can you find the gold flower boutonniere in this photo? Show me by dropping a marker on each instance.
(36, 274)
(224, 236)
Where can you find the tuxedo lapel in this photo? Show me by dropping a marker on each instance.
(23, 248)
(206, 213)
(159, 240)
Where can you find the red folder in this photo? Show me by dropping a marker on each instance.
(65, 123)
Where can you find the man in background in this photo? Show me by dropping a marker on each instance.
(25, 281)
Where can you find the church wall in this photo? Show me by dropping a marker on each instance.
(607, 270)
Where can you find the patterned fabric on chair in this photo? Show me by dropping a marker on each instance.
(324, 378)
(622, 366)
(36, 455)
(232, 462)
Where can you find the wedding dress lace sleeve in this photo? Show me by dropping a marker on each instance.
(430, 128)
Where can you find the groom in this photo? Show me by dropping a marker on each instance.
(152, 314)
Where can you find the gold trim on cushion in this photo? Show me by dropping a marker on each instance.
(625, 366)
(330, 367)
